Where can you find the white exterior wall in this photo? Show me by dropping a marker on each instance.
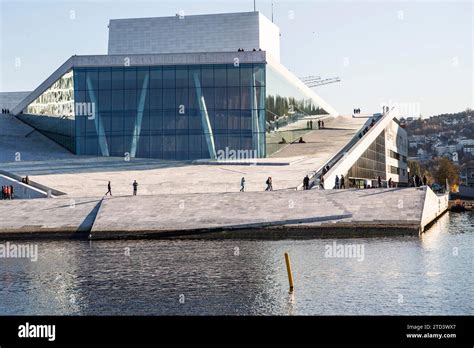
(434, 206)
(269, 37)
(225, 32)
(396, 139)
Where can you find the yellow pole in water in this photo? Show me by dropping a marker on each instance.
(288, 269)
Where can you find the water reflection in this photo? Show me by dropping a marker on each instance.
(399, 275)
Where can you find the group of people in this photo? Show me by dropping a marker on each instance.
(134, 185)
(242, 50)
(7, 192)
(5, 111)
(25, 180)
(340, 183)
(309, 124)
(269, 184)
(300, 141)
(357, 111)
(366, 129)
(416, 181)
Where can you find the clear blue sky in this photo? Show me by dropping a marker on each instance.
(414, 52)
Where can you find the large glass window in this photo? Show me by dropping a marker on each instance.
(172, 112)
(286, 105)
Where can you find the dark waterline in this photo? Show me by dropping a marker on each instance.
(397, 275)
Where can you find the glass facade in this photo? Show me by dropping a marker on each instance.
(285, 104)
(372, 162)
(52, 113)
(285, 98)
(170, 112)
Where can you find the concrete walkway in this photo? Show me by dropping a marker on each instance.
(284, 214)
(51, 218)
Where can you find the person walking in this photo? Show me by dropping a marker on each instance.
(269, 184)
(306, 183)
(322, 124)
(109, 189)
(319, 124)
(342, 185)
(425, 181)
(135, 187)
(242, 184)
(379, 181)
(336, 183)
(389, 184)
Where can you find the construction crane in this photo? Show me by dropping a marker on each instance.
(316, 81)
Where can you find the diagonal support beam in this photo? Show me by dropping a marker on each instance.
(206, 124)
(99, 127)
(139, 118)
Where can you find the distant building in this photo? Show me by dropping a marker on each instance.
(467, 174)
(420, 138)
(422, 155)
(444, 149)
(469, 149)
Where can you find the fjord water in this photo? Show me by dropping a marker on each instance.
(397, 275)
